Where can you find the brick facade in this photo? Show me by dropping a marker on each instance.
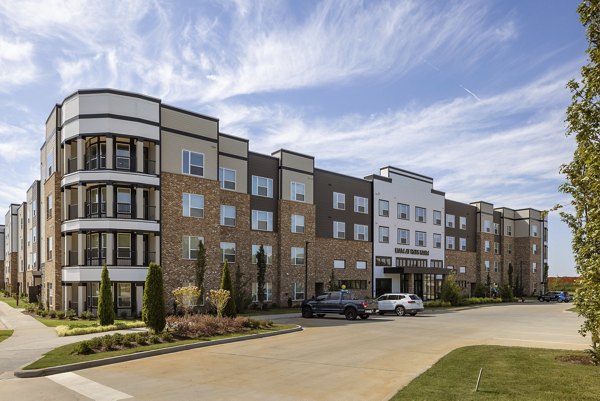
(466, 280)
(53, 267)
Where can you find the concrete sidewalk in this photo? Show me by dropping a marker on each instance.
(31, 340)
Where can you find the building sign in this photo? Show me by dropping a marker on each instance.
(408, 251)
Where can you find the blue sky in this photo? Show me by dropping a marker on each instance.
(471, 93)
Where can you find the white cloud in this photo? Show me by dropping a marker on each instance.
(16, 63)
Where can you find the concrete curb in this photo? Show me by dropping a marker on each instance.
(144, 354)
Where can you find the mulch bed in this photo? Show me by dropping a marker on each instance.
(576, 359)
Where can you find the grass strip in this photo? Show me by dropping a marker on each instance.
(509, 373)
(13, 303)
(67, 330)
(4, 334)
(64, 355)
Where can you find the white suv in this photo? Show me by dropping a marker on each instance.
(401, 304)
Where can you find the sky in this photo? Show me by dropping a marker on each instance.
(471, 93)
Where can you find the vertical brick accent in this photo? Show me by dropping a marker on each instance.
(469, 261)
(53, 268)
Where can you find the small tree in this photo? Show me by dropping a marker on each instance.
(106, 310)
(230, 309)
(506, 293)
(186, 297)
(153, 311)
(479, 291)
(200, 271)
(241, 295)
(510, 275)
(488, 285)
(219, 299)
(545, 279)
(261, 269)
(450, 291)
(332, 285)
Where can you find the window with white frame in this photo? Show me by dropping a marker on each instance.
(463, 244)
(49, 248)
(262, 221)
(420, 238)
(437, 217)
(268, 253)
(403, 236)
(420, 214)
(190, 246)
(339, 264)
(49, 206)
(297, 256)
(192, 163)
(384, 208)
(496, 248)
(487, 226)
(534, 267)
(437, 240)
(509, 230)
(124, 246)
(123, 156)
(534, 230)
(124, 201)
(193, 205)
(297, 224)
(228, 252)
(262, 186)
(298, 291)
(487, 246)
(450, 220)
(361, 264)
(227, 178)
(361, 205)
(384, 234)
(267, 294)
(403, 211)
(509, 249)
(449, 242)
(339, 229)
(339, 201)
(496, 228)
(463, 222)
(361, 232)
(534, 250)
(450, 267)
(298, 191)
(228, 215)
(487, 265)
(462, 269)
(496, 266)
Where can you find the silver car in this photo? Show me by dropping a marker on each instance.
(400, 304)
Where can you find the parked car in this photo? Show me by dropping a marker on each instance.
(340, 302)
(559, 296)
(400, 304)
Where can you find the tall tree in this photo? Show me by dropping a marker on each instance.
(583, 178)
(230, 309)
(153, 311)
(510, 275)
(106, 309)
(240, 284)
(261, 269)
(200, 271)
(488, 285)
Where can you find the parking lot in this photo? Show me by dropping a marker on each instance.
(331, 359)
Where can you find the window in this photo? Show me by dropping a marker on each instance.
(437, 240)
(437, 217)
(228, 215)
(361, 232)
(123, 201)
(439, 264)
(463, 244)
(267, 295)
(403, 236)
(339, 229)
(411, 262)
(463, 222)
(462, 269)
(496, 228)
(534, 267)
(383, 261)
(420, 213)
(123, 246)
(487, 226)
(534, 249)
(190, 247)
(352, 284)
(339, 264)
(449, 242)
(509, 249)
(298, 291)
(192, 163)
(361, 205)
(534, 230)
(403, 211)
(298, 191)
(496, 248)
(49, 164)
(509, 230)
(49, 206)
(487, 265)
(96, 206)
(262, 221)
(227, 178)
(123, 295)
(297, 224)
(227, 252)
(487, 246)
(496, 267)
(384, 208)
(34, 208)
(297, 256)
(96, 245)
(193, 205)
(384, 235)
(361, 264)
(420, 238)
(123, 156)
(268, 253)
(262, 186)
(49, 248)
(450, 220)
(50, 295)
(339, 201)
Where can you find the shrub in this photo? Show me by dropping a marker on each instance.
(450, 291)
(506, 293)
(52, 313)
(201, 326)
(230, 309)
(43, 312)
(84, 348)
(108, 342)
(118, 338)
(60, 314)
(480, 291)
(153, 311)
(140, 338)
(437, 303)
(95, 343)
(106, 311)
(154, 339)
(70, 314)
(166, 337)
(219, 299)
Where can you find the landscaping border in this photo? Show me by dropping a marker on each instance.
(144, 354)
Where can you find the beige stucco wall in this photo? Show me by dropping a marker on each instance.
(171, 153)
(188, 123)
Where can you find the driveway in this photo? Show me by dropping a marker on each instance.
(332, 359)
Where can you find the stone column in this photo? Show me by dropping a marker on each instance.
(139, 154)
(80, 299)
(80, 154)
(109, 153)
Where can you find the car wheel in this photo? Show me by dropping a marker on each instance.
(350, 314)
(547, 300)
(320, 314)
(400, 311)
(380, 313)
(307, 312)
(364, 316)
(413, 313)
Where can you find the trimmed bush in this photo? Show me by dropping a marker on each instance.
(153, 312)
(154, 339)
(70, 314)
(106, 310)
(230, 309)
(60, 314)
(506, 293)
(201, 326)
(166, 337)
(84, 348)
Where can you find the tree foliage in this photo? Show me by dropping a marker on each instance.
(106, 309)
(583, 178)
(219, 298)
(240, 289)
(450, 291)
(200, 271)
(261, 269)
(226, 284)
(153, 311)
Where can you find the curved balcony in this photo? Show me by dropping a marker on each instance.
(110, 175)
(110, 224)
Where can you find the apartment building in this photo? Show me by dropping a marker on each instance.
(460, 244)
(11, 246)
(2, 256)
(22, 248)
(33, 275)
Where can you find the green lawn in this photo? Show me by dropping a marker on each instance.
(4, 334)
(64, 355)
(12, 303)
(72, 323)
(509, 373)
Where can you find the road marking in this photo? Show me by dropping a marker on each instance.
(88, 388)
(537, 341)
